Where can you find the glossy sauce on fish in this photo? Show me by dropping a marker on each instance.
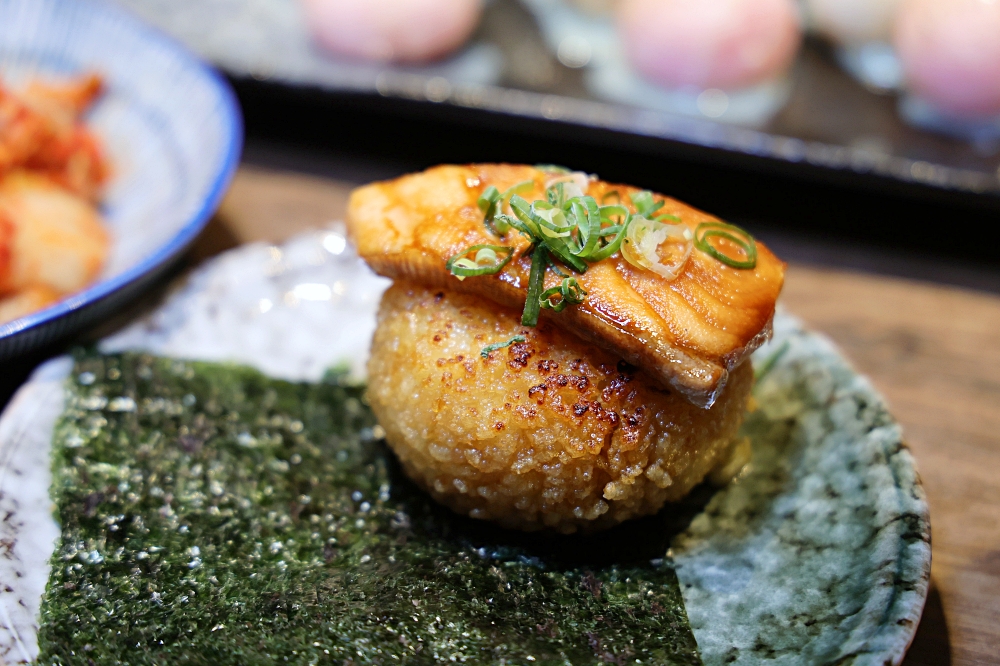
(688, 333)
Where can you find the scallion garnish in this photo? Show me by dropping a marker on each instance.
(485, 261)
(554, 267)
(485, 353)
(487, 203)
(645, 205)
(644, 244)
(569, 292)
(492, 201)
(743, 240)
(569, 228)
(536, 280)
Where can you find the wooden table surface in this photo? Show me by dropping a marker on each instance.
(933, 351)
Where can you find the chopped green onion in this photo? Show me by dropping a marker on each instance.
(608, 195)
(517, 188)
(556, 194)
(523, 221)
(566, 228)
(641, 246)
(485, 353)
(613, 211)
(552, 168)
(570, 227)
(487, 203)
(561, 248)
(614, 245)
(542, 231)
(501, 223)
(644, 204)
(485, 262)
(590, 233)
(536, 279)
(560, 190)
(555, 269)
(488, 200)
(491, 203)
(542, 222)
(708, 230)
(569, 292)
(551, 220)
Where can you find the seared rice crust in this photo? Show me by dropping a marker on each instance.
(551, 432)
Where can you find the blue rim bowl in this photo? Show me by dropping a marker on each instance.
(173, 130)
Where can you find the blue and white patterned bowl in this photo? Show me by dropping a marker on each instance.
(171, 127)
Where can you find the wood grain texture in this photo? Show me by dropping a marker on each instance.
(933, 351)
(273, 205)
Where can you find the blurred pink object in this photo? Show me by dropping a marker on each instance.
(710, 43)
(392, 30)
(950, 51)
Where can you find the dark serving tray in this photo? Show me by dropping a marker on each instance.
(835, 160)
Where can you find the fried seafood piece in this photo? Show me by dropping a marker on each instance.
(688, 333)
(6, 246)
(546, 433)
(58, 240)
(41, 130)
(25, 302)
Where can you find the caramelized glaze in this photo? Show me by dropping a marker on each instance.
(688, 333)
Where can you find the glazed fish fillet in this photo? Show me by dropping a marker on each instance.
(687, 333)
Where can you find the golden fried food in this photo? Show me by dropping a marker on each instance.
(52, 169)
(25, 302)
(41, 130)
(551, 432)
(58, 240)
(688, 333)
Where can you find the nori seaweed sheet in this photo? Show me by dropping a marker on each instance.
(210, 514)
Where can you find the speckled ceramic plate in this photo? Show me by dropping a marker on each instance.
(819, 553)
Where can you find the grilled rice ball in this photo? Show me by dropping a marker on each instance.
(546, 433)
